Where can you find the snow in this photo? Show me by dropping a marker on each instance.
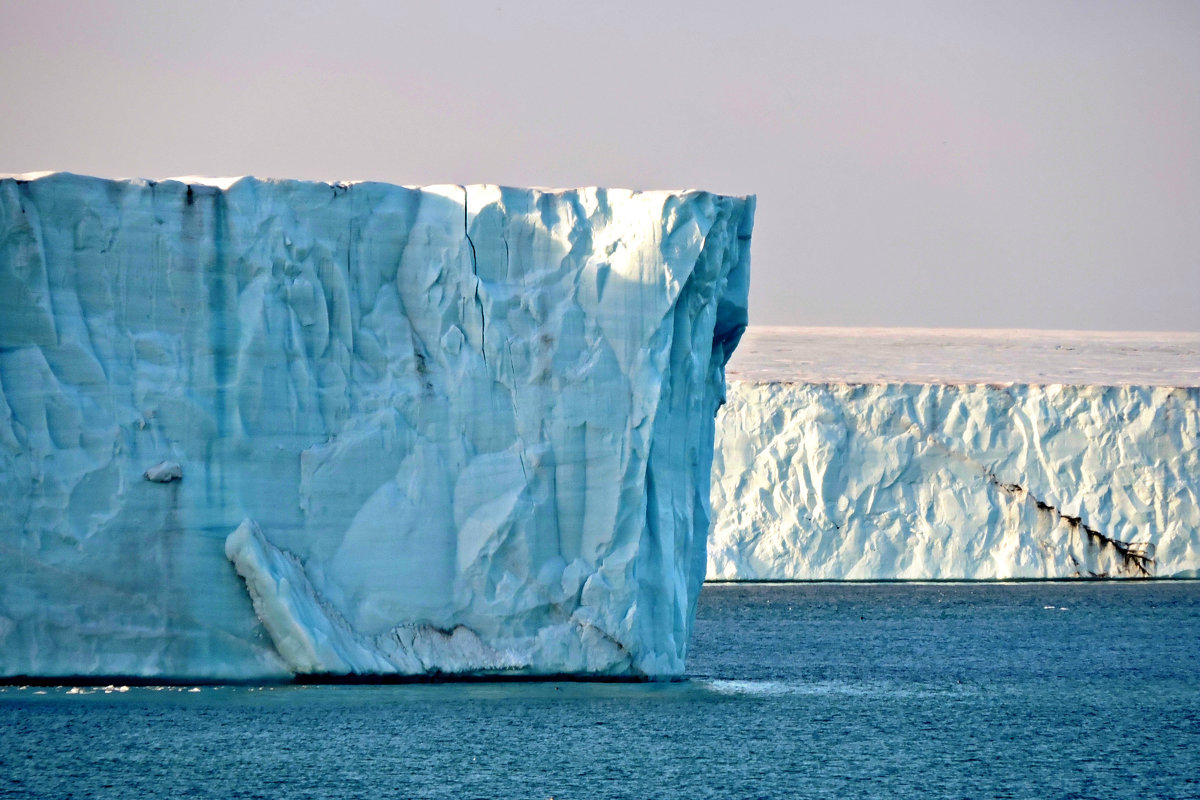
(909, 454)
(250, 429)
(967, 356)
(164, 472)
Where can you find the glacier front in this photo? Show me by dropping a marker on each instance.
(851, 454)
(253, 429)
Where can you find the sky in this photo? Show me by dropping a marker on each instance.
(923, 164)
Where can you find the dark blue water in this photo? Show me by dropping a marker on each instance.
(840, 691)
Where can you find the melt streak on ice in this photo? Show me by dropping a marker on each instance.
(905, 454)
(256, 428)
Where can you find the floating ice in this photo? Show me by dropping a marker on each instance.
(418, 430)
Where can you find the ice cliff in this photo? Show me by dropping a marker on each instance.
(958, 455)
(256, 428)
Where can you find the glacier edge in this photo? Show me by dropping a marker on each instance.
(451, 429)
(829, 480)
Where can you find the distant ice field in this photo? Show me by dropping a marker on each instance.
(950, 356)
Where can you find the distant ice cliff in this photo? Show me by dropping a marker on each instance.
(864, 455)
(255, 428)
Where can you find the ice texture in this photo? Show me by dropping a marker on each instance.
(250, 429)
(913, 470)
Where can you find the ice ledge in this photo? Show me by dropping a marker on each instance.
(313, 638)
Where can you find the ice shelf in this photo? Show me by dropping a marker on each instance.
(866, 454)
(251, 429)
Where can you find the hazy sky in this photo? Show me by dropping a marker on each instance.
(984, 164)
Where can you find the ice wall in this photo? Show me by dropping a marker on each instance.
(822, 479)
(256, 428)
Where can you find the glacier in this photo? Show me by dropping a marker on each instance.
(254, 429)
(851, 454)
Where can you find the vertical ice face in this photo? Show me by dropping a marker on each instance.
(261, 428)
(897, 474)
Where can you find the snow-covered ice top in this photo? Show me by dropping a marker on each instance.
(254, 428)
(964, 356)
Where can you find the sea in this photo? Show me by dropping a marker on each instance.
(819, 690)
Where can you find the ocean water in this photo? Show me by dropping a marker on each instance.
(1027, 690)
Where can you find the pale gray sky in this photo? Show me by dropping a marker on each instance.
(959, 163)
